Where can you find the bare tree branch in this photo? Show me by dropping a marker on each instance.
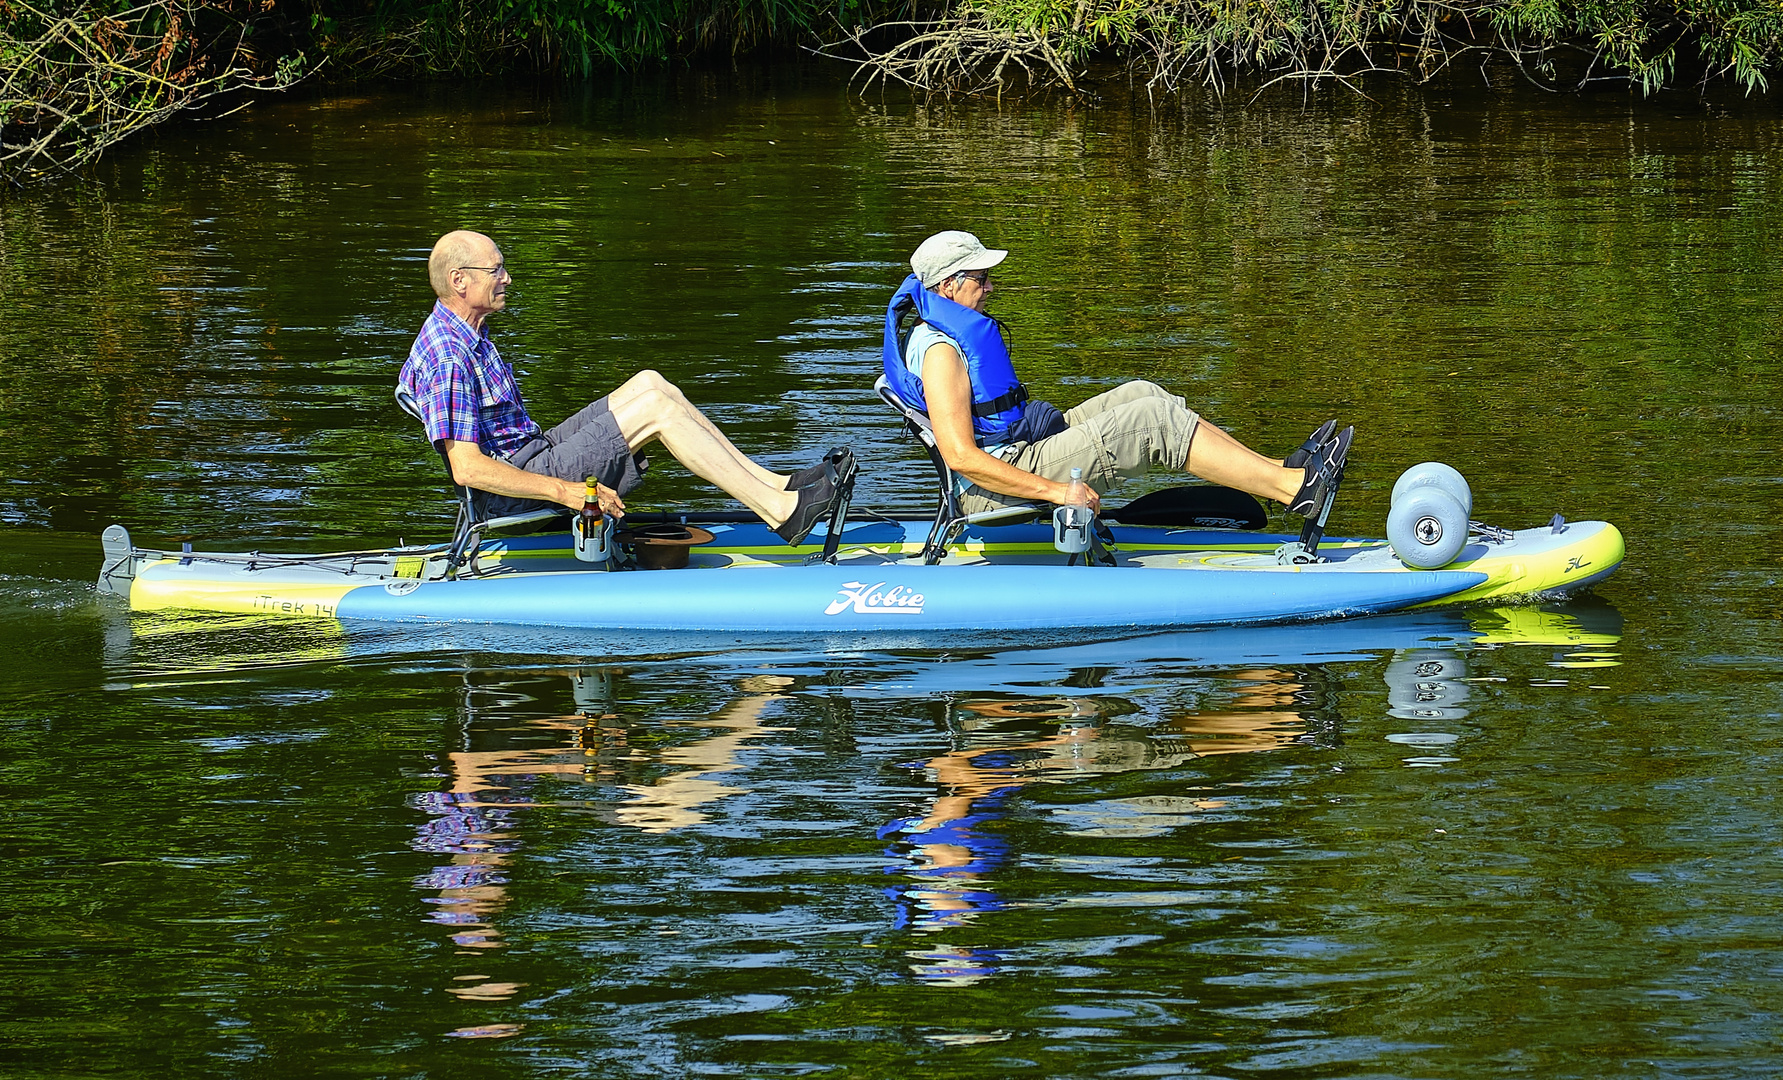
(74, 85)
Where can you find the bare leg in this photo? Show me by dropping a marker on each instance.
(649, 408)
(1217, 456)
(647, 382)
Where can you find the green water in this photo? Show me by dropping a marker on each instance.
(1528, 842)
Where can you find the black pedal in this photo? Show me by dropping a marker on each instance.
(842, 463)
(1312, 532)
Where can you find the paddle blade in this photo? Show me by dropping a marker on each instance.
(1201, 506)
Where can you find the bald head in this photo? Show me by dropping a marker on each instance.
(455, 249)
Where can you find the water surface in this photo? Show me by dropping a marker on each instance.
(1517, 841)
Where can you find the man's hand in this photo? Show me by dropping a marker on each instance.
(611, 504)
(473, 468)
(1063, 492)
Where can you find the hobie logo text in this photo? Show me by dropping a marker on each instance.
(875, 599)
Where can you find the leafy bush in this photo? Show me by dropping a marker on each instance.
(572, 37)
(1557, 44)
(77, 77)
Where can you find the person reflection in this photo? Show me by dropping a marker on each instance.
(673, 801)
(951, 854)
(1266, 709)
(472, 819)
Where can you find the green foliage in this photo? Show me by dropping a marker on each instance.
(1559, 44)
(573, 37)
(79, 76)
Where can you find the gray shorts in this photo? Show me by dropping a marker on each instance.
(1113, 436)
(587, 444)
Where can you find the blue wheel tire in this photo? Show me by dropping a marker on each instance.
(1426, 527)
(1435, 474)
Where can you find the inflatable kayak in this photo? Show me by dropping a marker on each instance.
(1007, 577)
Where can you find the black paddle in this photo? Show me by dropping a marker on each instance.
(1197, 506)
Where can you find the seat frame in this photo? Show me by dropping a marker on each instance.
(473, 521)
(949, 522)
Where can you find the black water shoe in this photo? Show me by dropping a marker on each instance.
(815, 503)
(1299, 458)
(1324, 471)
(807, 477)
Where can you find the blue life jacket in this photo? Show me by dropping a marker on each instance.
(997, 395)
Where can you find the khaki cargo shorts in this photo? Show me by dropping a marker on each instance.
(1113, 436)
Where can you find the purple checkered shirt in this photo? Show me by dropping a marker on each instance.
(465, 390)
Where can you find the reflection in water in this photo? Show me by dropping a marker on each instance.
(670, 802)
(1255, 690)
(1432, 687)
(473, 819)
(951, 855)
(1427, 684)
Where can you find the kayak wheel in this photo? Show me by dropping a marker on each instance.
(1426, 527)
(1435, 474)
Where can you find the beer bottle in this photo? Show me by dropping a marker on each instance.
(589, 527)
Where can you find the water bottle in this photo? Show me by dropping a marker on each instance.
(1077, 493)
(1071, 522)
(590, 529)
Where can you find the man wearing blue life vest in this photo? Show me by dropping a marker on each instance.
(1009, 448)
(470, 405)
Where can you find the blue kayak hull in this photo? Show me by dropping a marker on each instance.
(826, 598)
(746, 580)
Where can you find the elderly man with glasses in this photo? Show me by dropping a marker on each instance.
(471, 407)
(945, 356)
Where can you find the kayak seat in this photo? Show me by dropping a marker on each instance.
(949, 522)
(473, 518)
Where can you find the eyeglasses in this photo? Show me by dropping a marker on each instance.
(981, 277)
(493, 271)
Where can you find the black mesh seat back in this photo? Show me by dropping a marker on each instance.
(917, 422)
(470, 500)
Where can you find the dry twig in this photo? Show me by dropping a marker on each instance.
(965, 54)
(73, 85)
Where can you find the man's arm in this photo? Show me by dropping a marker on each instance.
(948, 391)
(475, 469)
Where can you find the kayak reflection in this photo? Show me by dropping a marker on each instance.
(953, 854)
(1134, 664)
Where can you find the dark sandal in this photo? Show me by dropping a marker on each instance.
(1323, 473)
(815, 502)
(1299, 458)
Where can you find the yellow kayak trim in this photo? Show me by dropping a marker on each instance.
(235, 597)
(1524, 575)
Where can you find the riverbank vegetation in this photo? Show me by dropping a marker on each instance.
(988, 45)
(76, 76)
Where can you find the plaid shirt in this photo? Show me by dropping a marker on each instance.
(465, 390)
